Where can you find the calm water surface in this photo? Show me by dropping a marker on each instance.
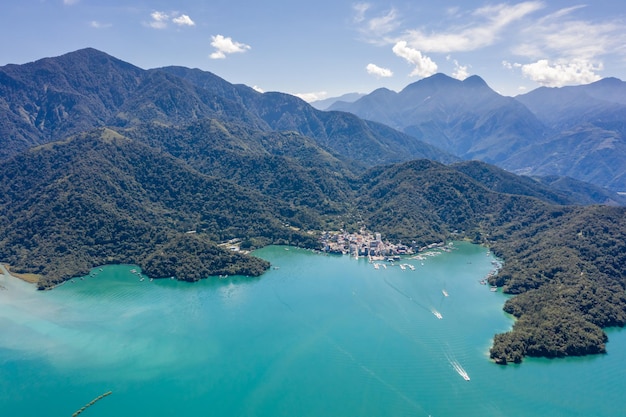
(316, 336)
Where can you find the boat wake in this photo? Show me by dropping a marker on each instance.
(375, 375)
(458, 368)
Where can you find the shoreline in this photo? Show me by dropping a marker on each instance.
(5, 270)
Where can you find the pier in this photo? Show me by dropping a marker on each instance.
(90, 403)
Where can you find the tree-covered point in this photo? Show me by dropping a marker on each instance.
(101, 198)
(566, 265)
(192, 258)
(567, 268)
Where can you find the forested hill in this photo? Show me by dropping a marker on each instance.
(101, 198)
(565, 264)
(103, 162)
(52, 98)
(286, 165)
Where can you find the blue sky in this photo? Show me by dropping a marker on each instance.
(325, 48)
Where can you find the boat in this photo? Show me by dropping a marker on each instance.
(445, 293)
(459, 369)
(493, 289)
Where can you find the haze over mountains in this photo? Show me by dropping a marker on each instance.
(571, 131)
(104, 162)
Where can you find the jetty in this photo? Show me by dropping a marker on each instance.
(90, 403)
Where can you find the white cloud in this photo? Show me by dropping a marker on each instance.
(424, 66)
(460, 71)
(183, 20)
(226, 45)
(258, 89)
(70, 2)
(489, 22)
(99, 25)
(565, 50)
(562, 36)
(374, 69)
(453, 11)
(360, 9)
(310, 97)
(558, 74)
(511, 65)
(375, 29)
(159, 20)
(383, 24)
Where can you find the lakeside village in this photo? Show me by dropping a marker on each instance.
(372, 246)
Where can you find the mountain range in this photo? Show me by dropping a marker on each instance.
(578, 132)
(54, 97)
(168, 168)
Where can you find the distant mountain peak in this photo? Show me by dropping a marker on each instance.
(475, 81)
(434, 81)
(609, 81)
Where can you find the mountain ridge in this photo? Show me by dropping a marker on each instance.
(548, 131)
(172, 172)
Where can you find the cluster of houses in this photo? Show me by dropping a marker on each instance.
(366, 244)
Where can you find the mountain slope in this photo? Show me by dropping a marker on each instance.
(583, 193)
(565, 264)
(549, 189)
(465, 118)
(188, 161)
(51, 98)
(571, 131)
(324, 104)
(566, 107)
(588, 133)
(364, 142)
(101, 198)
(286, 165)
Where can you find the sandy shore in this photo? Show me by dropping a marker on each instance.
(30, 278)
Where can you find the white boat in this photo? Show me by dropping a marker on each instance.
(445, 293)
(459, 370)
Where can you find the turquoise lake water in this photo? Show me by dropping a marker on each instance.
(317, 336)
